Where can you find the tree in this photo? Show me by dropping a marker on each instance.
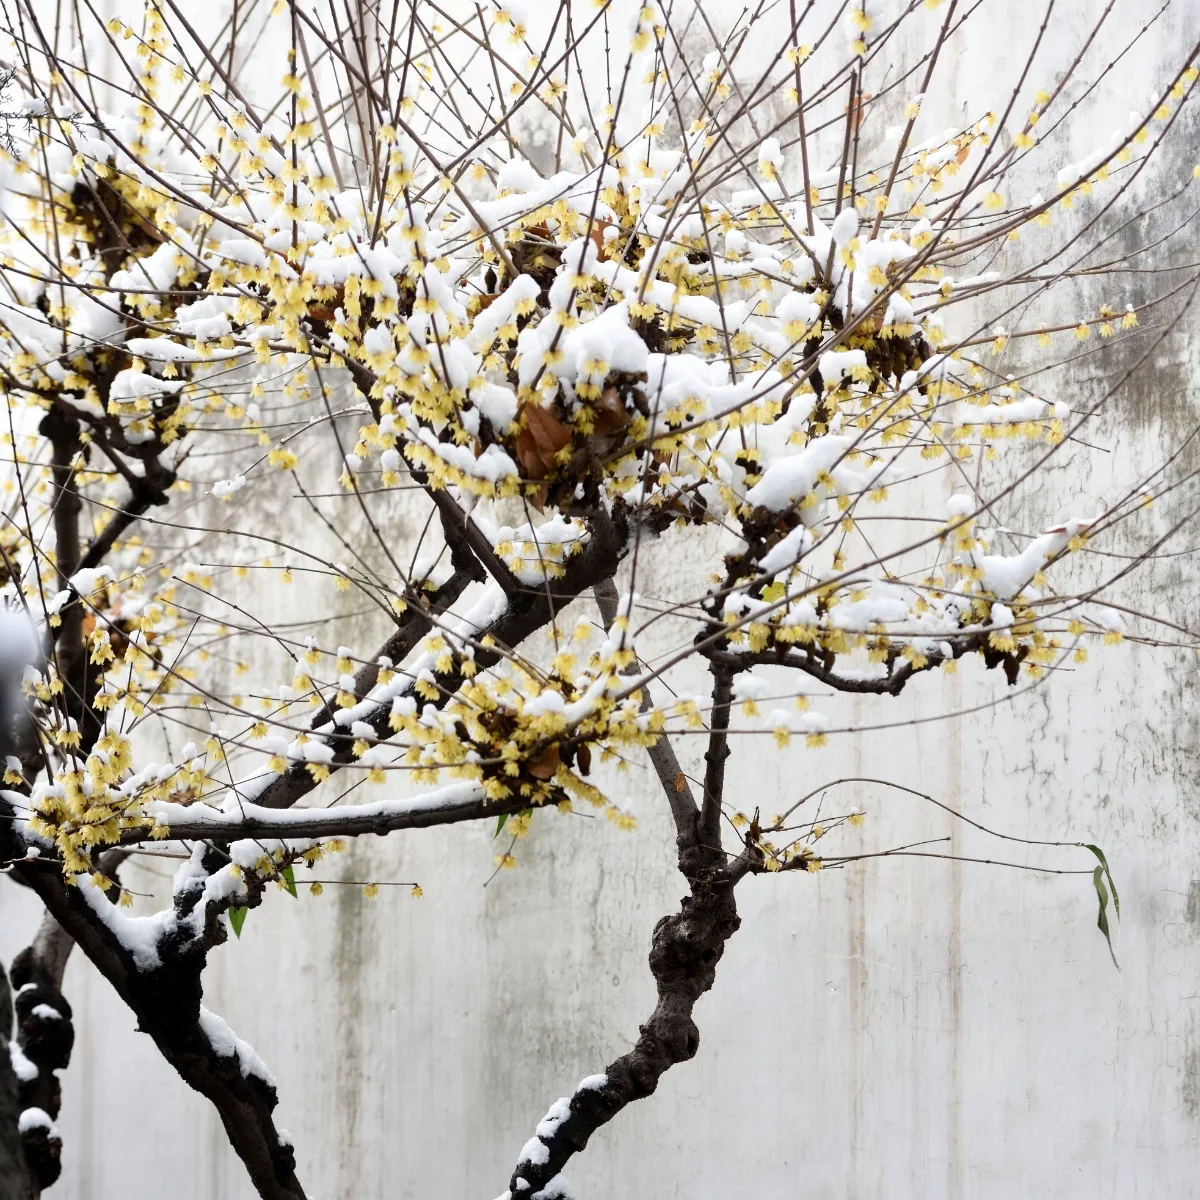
(736, 318)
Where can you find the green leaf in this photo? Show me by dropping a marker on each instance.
(1102, 920)
(500, 824)
(289, 879)
(237, 918)
(1112, 887)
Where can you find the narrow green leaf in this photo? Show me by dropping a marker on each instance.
(1112, 887)
(1102, 920)
(289, 878)
(500, 823)
(237, 918)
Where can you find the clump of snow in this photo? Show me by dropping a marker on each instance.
(836, 365)
(227, 487)
(139, 936)
(557, 1189)
(535, 1152)
(85, 582)
(770, 156)
(1006, 575)
(787, 552)
(227, 1044)
(788, 479)
(163, 349)
(36, 1118)
(748, 686)
(1108, 618)
(794, 722)
(130, 385)
(560, 1110)
(23, 1068)
(845, 227)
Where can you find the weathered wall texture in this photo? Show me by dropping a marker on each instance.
(905, 1028)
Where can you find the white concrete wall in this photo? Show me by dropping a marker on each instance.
(902, 1028)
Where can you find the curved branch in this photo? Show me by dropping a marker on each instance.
(45, 1035)
(684, 953)
(891, 684)
(161, 984)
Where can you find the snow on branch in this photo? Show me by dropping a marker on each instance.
(314, 460)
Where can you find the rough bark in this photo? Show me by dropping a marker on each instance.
(46, 1035)
(166, 1002)
(70, 650)
(14, 1179)
(684, 952)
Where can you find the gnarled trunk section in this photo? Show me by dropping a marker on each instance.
(684, 953)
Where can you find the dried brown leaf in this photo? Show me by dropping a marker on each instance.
(543, 435)
(546, 763)
(611, 414)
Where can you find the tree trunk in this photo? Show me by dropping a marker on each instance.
(14, 1179)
